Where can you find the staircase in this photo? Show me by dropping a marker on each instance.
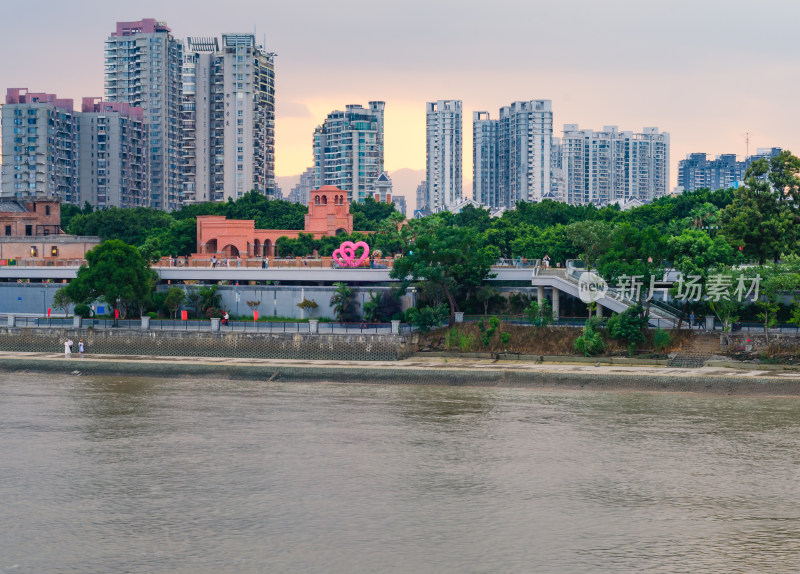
(697, 351)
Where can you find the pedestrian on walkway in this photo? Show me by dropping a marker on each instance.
(691, 320)
(81, 347)
(67, 347)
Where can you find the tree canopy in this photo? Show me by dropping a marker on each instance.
(116, 273)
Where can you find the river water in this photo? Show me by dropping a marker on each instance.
(110, 475)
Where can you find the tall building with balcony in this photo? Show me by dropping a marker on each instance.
(348, 150)
(40, 147)
(512, 155)
(611, 166)
(143, 68)
(113, 155)
(228, 119)
(443, 157)
(524, 133)
(484, 160)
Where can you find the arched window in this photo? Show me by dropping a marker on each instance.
(324, 200)
(316, 200)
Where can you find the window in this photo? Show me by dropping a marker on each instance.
(47, 210)
(29, 230)
(8, 230)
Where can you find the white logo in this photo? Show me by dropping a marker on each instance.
(591, 287)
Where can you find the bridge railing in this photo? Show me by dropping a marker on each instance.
(271, 263)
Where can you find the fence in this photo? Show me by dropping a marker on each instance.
(231, 326)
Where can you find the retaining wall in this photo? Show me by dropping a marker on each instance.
(758, 342)
(300, 346)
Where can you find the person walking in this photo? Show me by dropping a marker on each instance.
(81, 348)
(67, 347)
(691, 320)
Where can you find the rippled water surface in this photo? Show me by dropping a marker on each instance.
(111, 475)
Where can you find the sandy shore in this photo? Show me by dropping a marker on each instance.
(422, 371)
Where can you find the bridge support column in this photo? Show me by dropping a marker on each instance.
(556, 309)
(540, 295)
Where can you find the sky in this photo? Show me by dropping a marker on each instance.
(708, 72)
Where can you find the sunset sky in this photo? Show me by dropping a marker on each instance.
(706, 71)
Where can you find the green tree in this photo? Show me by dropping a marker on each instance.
(763, 219)
(344, 307)
(174, 299)
(62, 301)
(116, 273)
(628, 326)
(447, 257)
(485, 294)
(591, 237)
(694, 253)
(209, 298)
(368, 214)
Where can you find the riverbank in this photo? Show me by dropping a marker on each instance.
(422, 371)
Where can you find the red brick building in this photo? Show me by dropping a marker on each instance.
(328, 214)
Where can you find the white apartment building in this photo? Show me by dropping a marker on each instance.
(40, 147)
(610, 166)
(348, 150)
(228, 119)
(113, 155)
(525, 133)
(512, 155)
(443, 154)
(484, 160)
(143, 68)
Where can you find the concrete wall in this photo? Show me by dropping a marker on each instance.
(276, 300)
(758, 342)
(298, 346)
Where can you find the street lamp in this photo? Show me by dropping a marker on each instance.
(116, 313)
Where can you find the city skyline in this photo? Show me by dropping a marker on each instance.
(692, 78)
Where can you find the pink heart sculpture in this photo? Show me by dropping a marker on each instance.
(345, 255)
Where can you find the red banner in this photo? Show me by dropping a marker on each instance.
(255, 315)
(116, 313)
(48, 312)
(184, 315)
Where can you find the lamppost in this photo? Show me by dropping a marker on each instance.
(238, 295)
(116, 313)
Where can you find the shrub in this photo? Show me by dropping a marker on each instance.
(661, 339)
(83, 310)
(428, 318)
(590, 342)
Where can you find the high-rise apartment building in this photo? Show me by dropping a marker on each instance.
(348, 150)
(143, 68)
(697, 172)
(40, 146)
(484, 160)
(443, 154)
(113, 155)
(228, 119)
(525, 133)
(300, 193)
(512, 155)
(723, 172)
(610, 166)
(421, 195)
